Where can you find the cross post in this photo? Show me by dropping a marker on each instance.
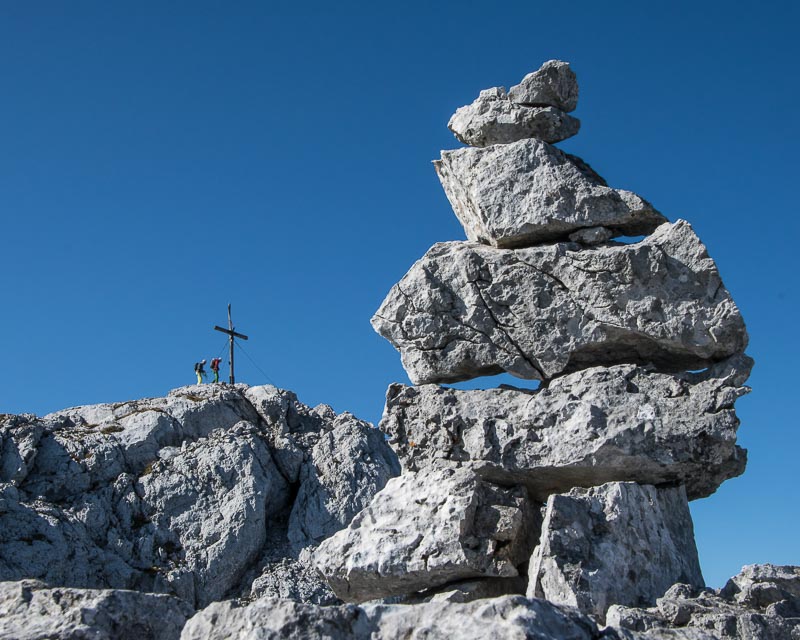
(231, 335)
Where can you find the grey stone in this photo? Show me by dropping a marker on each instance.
(288, 579)
(347, 467)
(427, 529)
(528, 192)
(619, 423)
(209, 507)
(469, 590)
(29, 610)
(553, 84)
(493, 119)
(507, 618)
(592, 235)
(466, 310)
(620, 543)
(760, 585)
(730, 612)
(191, 494)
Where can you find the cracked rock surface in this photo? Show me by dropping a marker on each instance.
(30, 610)
(553, 84)
(466, 310)
(761, 603)
(427, 529)
(196, 494)
(527, 192)
(494, 119)
(601, 424)
(507, 618)
(619, 543)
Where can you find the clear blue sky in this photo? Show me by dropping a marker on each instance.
(159, 160)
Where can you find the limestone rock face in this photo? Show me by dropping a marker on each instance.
(29, 610)
(553, 84)
(346, 467)
(466, 310)
(507, 618)
(494, 119)
(210, 528)
(599, 425)
(194, 494)
(528, 192)
(620, 543)
(427, 529)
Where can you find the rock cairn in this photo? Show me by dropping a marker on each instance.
(575, 492)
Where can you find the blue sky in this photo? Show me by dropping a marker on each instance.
(159, 160)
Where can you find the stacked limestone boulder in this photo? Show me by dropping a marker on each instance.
(576, 492)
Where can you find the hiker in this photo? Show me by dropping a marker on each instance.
(215, 368)
(198, 369)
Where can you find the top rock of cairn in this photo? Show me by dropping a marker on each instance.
(515, 189)
(553, 85)
(535, 108)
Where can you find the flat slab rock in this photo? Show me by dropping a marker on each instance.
(620, 543)
(30, 610)
(427, 529)
(466, 310)
(599, 425)
(494, 119)
(528, 192)
(507, 618)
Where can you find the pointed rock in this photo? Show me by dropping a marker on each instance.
(428, 529)
(528, 192)
(553, 84)
(494, 119)
(620, 543)
(466, 310)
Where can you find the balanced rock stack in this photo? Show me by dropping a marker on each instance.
(575, 492)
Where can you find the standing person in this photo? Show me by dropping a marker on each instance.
(215, 368)
(198, 369)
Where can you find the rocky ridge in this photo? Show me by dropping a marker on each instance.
(228, 511)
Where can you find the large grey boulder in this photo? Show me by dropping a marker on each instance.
(209, 506)
(620, 543)
(344, 470)
(507, 618)
(466, 310)
(494, 119)
(427, 529)
(30, 610)
(194, 494)
(528, 192)
(553, 84)
(618, 423)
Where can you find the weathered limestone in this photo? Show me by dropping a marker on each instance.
(427, 529)
(620, 543)
(345, 468)
(187, 494)
(466, 310)
(599, 425)
(528, 192)
(553, 84)
(507, 618)
(773, 614)
(494, 119)
(30, 610)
